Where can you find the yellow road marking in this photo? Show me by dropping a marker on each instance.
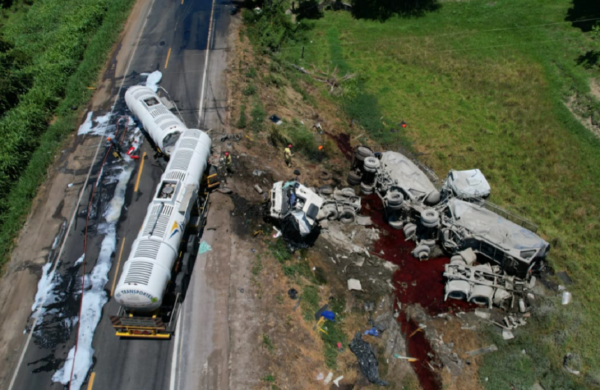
(168, 56)
(137, 182)
(112, 290)
(91, 382)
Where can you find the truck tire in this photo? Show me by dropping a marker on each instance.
(324, 175)
(325, 190)
(363, 151)
(349, 192)
(395, 222)
(421, 252)
(430, 243)
(180, 284)
(366, 189)
(457, 260)
(394, 200)
(332, 213)
(353, 178)
(347, 216)
(430, 218)
(371, 164)
(409, 230)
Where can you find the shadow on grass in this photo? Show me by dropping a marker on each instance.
(583, 14)
(384, 9)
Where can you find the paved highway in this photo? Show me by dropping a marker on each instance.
(174, 39)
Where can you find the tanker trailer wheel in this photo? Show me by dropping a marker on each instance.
(325, 190)
(181, 283)
(366, 189)
(371, 164)
(192, 245)
(363, 152)
(395, 222)
(430, 218)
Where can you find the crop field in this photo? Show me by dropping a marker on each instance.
(488, 85)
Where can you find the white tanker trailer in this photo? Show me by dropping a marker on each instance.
(155, 275)
(163, 127)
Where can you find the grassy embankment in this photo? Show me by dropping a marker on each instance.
(484, 85)
(65, 43)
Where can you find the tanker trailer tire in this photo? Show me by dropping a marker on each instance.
(187, 264)
(192, 245)
(324, 175)
(395, 222)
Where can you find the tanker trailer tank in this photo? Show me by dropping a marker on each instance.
(163, 127)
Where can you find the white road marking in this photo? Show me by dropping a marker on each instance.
(201, 106)
(22, 357)
(175, 356)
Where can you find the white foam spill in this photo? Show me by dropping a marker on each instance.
(80, 260)
(45, 286)
(94, 296)
(96, 126)
(153, 79)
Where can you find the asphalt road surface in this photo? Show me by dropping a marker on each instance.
(173, 39)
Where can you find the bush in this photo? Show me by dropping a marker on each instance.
(241, 123)
(258, 115)
(249, 90)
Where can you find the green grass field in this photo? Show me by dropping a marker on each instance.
(483, 85)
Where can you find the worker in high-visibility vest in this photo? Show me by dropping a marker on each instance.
(287, 154)
(228, 162)
(116, 148)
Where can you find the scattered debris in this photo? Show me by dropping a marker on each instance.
(320, 376)
(293, 293)
(363, 220)
(204, 247)
(372, 332)
(337, 380)
(275, 119)
(410, 359)
(483, 314)
(566, 297)
(367, 361)
(258, 172)
(507, 334)
(258, 189)
(568, 358)
(328, 378)
(354, 284)
(225, 190)
(483, 351)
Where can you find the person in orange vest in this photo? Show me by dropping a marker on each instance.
(287, 154)
(116, 148)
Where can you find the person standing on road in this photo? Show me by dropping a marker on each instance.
(228, 163)
(116, 148)
(287, 153)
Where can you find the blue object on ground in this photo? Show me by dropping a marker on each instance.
(372, 332)
(329, 315)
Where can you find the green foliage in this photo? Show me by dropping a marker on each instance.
(249, 90)
(280, 251)
(267, 343)
(251, 73)
(258, 116)
(310, 302)
(242, 121)
(301, 137)
(15, 77)
(269, 378)
(257, 265)
(68, 42)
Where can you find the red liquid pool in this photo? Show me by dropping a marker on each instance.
(416, 282)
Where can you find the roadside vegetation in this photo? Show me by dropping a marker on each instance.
(50, 55)
(511, 88)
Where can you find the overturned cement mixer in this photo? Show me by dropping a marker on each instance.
(456, 219)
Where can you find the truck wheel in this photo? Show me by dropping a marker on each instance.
(325, 175)
(395, 222)
(348, 215)
(430, 218)
(421, 252)
(363, 151)
(349, 192)
(331, 212)
(366, 189)
(371, 164)
(187, 263)
(325, 190)
(430, 243)
(179, 283)
(353, 178)
(409, 230)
